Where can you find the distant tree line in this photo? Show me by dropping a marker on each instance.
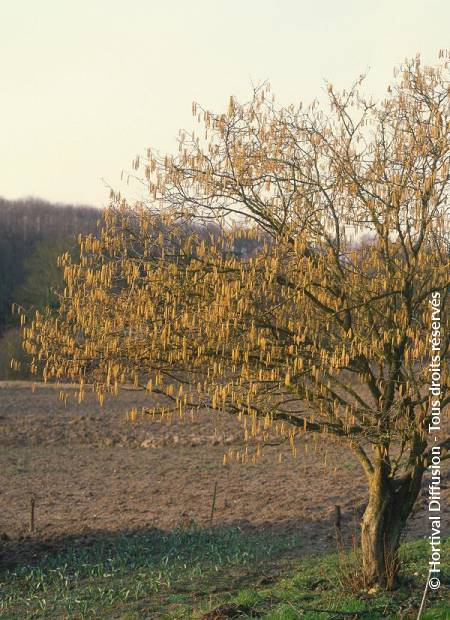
(33, 226)
(33, 233)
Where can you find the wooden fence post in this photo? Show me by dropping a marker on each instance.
(337, 524)
(32, 507)
(213, 504)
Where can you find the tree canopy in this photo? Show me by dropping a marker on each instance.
(324, 324)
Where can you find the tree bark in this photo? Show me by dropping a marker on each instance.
(390, 503)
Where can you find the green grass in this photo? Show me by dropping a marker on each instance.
(187, 572)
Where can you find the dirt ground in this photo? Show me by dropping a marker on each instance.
(91, 471)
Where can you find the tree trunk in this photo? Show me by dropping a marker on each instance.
(379, 543)
(390, 503)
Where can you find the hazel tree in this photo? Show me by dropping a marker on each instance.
(324, 326)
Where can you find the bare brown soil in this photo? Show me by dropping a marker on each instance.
(91, 471)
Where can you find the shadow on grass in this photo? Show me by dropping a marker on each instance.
(187, 572)
(292, 537)
(76, 575)
(187, 542)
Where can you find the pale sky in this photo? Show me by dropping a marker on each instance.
(88, 84)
